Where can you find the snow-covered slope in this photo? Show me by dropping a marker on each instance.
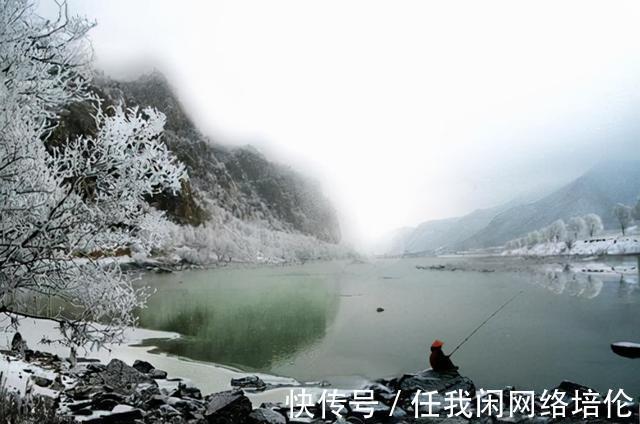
(239, 180)
(436, 236)
(597, 191)
(258, 206)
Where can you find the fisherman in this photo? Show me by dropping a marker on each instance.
(438, 360)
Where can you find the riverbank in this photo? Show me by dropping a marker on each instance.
(207, 376)
(116, 392)
(318, 321)
(605, 245)
(622, 267)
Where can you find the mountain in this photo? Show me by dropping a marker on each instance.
(437, 236)
(445, 234)
(597, 191)
(238, 180)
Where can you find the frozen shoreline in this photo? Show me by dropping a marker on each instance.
(208, 377)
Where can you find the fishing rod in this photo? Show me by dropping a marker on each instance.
(485, 321)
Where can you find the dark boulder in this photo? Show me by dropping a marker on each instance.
(18, 344)
(381, 392)
(146, 393)
(186, 391)
(41, 381)
(154, 402)
(143, 366)
(424, 381)
(157, 374)
(106, 401)
(266, 416)
(430, 380)
(122, 378)
(228, 407)
(120, 417)
(79, 406)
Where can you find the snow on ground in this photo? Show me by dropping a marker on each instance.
(595, 246)
(207, 377)
(17, 376)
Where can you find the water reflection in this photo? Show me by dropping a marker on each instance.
(255, 329)
(321, 321)
(570, 283)
(573, 281)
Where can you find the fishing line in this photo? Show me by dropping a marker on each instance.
(485, 321)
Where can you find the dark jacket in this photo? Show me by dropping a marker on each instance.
(440, 362)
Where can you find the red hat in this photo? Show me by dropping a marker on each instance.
(437, 343)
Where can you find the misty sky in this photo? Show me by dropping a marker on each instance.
(404, 110)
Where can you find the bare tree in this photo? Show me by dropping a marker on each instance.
(593, 223)
(623, 214)
(636, 210)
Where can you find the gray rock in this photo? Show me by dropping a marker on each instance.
(128, 416)
(249, 382)
(146, 393)
(78, 406)
(155, 401)
(266, 416)
(187, 390)
(177, 402)
(381, 392)
(157, 374)
(106, 401)
(18, 344)
(143, 366)
(168, 411)
(429, 380)
(379, 409)
(228, 407)
(123, 378)
(83, 412)
(41, 381)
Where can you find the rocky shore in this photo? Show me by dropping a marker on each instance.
(116, 392)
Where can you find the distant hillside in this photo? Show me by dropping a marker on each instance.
(597, 191)
(440, 235)
(238, 180)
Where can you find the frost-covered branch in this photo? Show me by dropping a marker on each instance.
(85, 195)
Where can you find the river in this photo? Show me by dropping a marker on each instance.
(320, 321)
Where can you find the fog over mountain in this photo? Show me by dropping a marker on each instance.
(597, 191)
(238, 182)
(403, 114)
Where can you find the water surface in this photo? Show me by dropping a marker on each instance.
(319, 321)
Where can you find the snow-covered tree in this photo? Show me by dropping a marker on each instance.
(533, 238)
(512, 244)
(623, 214)
(636, 210)
(58, 203)
(576, 228)
(557, 231)
(593, 223)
